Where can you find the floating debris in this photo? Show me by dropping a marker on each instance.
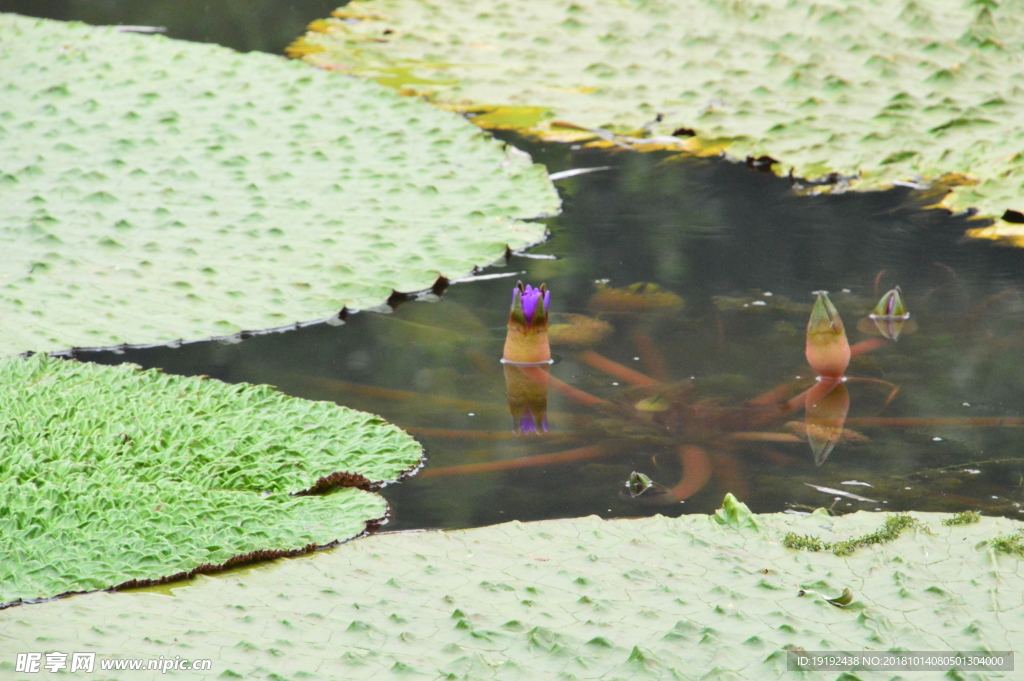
(843, 599)
(841, 493)
(637, 484)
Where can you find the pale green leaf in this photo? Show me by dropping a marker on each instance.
(878, 92)
(154, 189)
(652, 598)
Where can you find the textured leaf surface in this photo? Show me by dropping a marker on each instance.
(654, 598)
(888, 90)
(153, 189)
(109, 474)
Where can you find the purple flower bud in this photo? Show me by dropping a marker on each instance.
(527, 338)
(531, 297)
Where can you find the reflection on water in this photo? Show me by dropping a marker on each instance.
(695, 379)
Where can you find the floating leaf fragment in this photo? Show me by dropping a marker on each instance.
(843, 599)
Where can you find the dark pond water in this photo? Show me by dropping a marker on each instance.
(722, 238)
(245, 25)
(743, 253)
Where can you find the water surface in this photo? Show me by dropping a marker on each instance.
(265, 25)
(743, 252)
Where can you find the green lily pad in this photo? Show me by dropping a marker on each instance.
(155, 189)
(894, 92)
(112, 474)
(652, 598)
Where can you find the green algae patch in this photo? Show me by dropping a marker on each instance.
(963, 518)
(111, 474)
(880, 93)
(1010, 543)
(154, 190)
(888, 532)
(585, 598)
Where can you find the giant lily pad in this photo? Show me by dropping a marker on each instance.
(883, 92)
(112, 474)
(153, 189)
(710, 597)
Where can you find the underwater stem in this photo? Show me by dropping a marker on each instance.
(614, 369)
(566, 456)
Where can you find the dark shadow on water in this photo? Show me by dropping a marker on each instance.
(245, 25)
(744, 253)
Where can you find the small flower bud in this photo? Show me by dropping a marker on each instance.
(527, 339)
(828, 350)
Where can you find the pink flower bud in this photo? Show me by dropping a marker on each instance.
(828, 350)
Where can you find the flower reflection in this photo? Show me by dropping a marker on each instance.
(527, 391)
(826, 406)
